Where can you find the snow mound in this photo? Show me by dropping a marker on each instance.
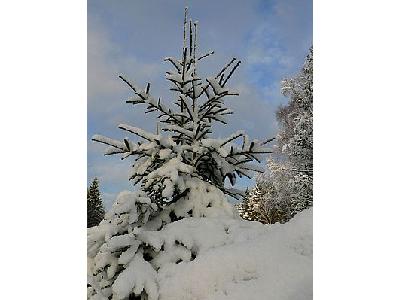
(237, 259)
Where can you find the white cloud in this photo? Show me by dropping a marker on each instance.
(252, 113)
(105, 62)
(108, 199)
(101, 70)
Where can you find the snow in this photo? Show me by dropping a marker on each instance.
(240, 260)
(213, 255)
(218, 90)
(138, 274)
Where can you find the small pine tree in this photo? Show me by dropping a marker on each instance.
(260, 205)
(251, 208)
(95, 208)
(180, 172)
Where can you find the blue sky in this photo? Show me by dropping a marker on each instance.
(132, 37)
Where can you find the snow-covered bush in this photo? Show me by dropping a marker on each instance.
(179, 173)
(123, 258)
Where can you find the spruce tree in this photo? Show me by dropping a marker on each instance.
(263, 205)
(95, 208)
(252, 207)
(166, 165)
(179, 172)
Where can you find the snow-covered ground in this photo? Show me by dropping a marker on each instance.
(238, 259)
(219, 256)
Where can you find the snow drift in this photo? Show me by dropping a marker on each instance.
(241, 260)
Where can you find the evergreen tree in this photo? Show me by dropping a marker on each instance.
(252, 207)
(262, 204)
(180, 172)
(95, 208)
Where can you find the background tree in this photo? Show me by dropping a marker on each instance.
(180, 172)
(287, 187)
(95, 208)
(295, 139)
(262, 204)
(252, 206)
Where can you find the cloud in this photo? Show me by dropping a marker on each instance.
(282, 39)
(101, 69)
(251, 113)
(278, 45)
(106, 61)
(108, 200)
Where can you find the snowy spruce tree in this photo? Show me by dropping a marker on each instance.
(180, 171)
(262, 204)
(287, 188)
(95, 208)
(252, 207)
